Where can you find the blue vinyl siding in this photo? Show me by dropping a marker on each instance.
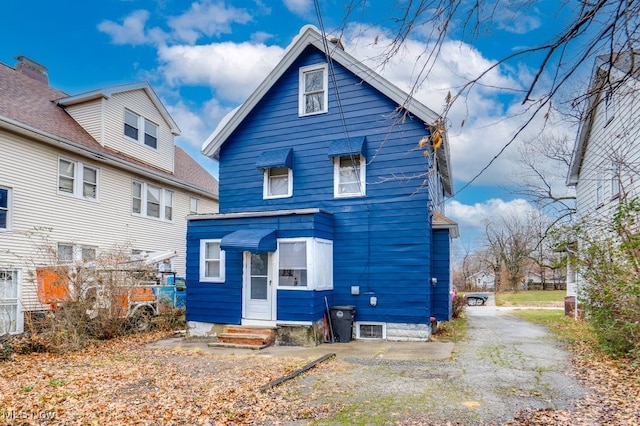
(441, 296)
(296, 305)
(382, 242)
(222, 302)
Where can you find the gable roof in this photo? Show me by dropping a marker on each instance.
(623, 64)
(310, 36)
(29, 107)
(110, 91)
(441, 221)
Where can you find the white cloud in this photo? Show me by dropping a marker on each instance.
(491, 109)
(473, 219)
(196, 125)
(231, 70)
(131, 31)
(208, 19)
(301, 8)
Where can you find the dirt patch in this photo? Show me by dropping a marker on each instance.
(507, 373)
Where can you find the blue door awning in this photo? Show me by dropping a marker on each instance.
(348, 146)
(275, 158)
(252, 240)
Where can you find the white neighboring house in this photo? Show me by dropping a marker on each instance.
(604, 166)
(88, 173)
(482, 280)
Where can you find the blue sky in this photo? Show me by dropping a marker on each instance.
(203, 58)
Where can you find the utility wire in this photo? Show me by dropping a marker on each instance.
(343, 120)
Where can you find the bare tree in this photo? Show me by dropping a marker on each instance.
(511, 240)
(605, 29)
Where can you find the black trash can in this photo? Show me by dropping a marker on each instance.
(342, 322)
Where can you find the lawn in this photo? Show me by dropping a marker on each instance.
(536, 298)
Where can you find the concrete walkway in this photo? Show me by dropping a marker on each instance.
(354, 349)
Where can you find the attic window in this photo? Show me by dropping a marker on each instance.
(313, 97)
(133, 124)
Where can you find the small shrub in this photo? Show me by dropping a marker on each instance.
(459, 305)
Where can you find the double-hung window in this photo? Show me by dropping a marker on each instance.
(5, 209)
(77, 179)
(278, 182)
(313, 94)
(140, 129)
(349, 176)
(194, 205)
(151, 201)
(277, 167)
(211, 261)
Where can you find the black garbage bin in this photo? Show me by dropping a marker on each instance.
(342, 322)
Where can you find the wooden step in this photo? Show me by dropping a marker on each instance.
(252, 337)
(237, 345)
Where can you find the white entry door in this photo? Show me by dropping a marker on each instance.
(258, 288)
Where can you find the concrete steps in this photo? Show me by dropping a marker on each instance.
(244, 338)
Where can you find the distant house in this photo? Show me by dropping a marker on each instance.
(550, 281)
(482, 280)
(604, 168)
(317, 208)
(86, 174)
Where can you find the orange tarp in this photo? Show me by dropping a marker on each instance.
(53, 284)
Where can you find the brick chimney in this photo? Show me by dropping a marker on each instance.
(32, 69)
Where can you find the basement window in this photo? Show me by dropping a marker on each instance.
(370, 330)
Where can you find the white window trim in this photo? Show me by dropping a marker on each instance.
(599, 190)
(203, 278)
(615, 179)
(301, 93)
(266, 185)
(313, 269)
(194, 202)
(142, 130)
(19, 320)
(7, 226)
(78, 180)
(163, 202)
(357, 325)
(76, 252)
(336, 178)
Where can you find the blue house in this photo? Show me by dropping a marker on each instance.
(332, 190)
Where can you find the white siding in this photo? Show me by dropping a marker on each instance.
(614, 135)
(89, 115)
(41, 216)
(138, 102)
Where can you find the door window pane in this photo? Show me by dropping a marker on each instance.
(259, 275)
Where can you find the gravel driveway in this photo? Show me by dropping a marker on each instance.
(505, 365)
